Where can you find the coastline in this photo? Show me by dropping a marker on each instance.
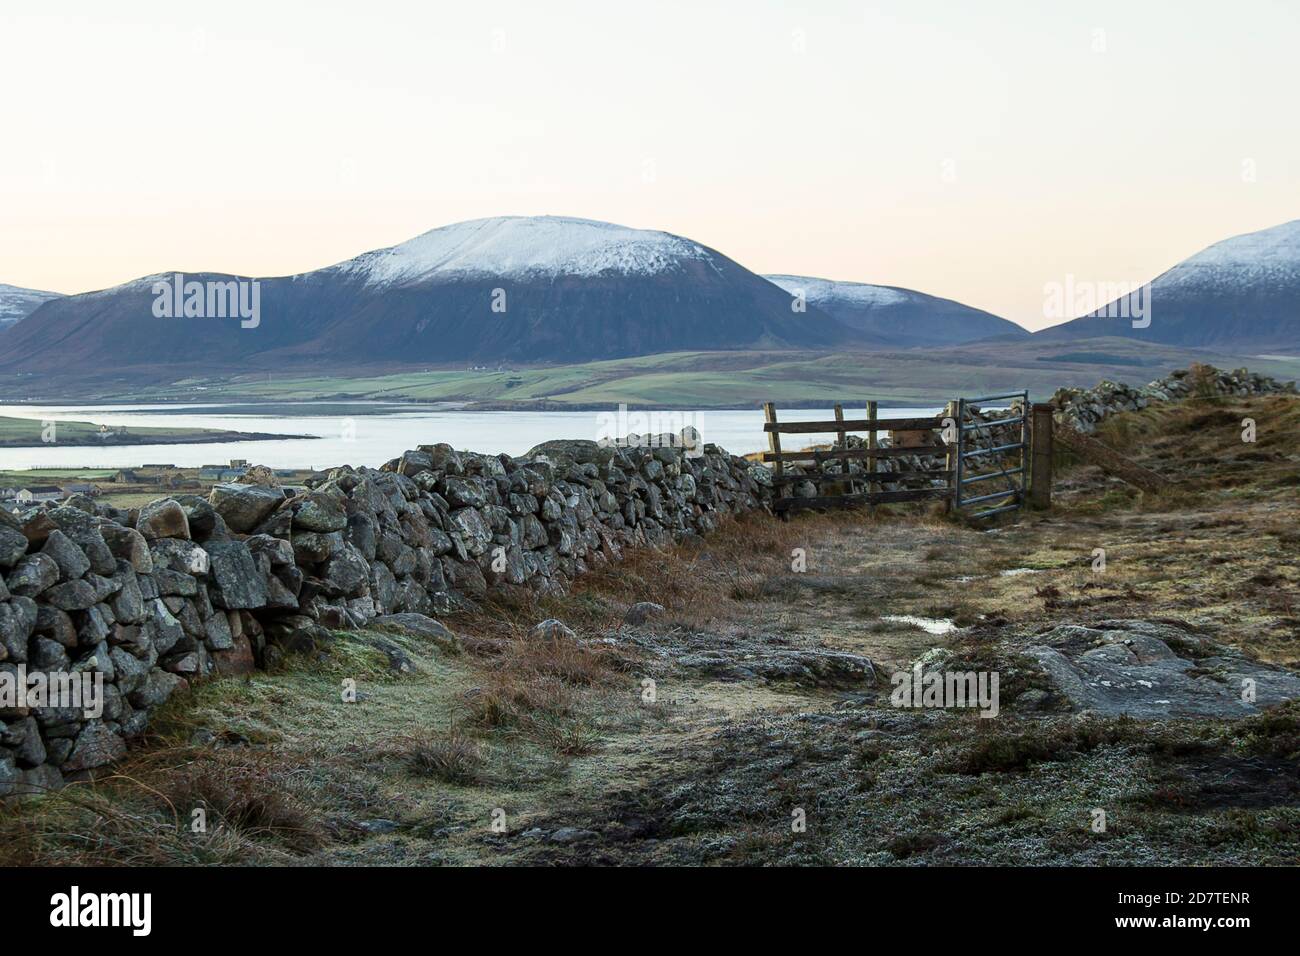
(132, 440)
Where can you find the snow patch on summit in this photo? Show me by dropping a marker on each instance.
(1264, 257)
(818, 291)
(16, 304)
(523, 247)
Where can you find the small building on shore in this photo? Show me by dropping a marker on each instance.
(130, 476)
(36, 493)
(221, 473)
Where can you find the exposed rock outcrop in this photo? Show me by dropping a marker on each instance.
(1151, 670)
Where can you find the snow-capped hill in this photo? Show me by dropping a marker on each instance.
(527, 247)
(511, 289)
(16, 304)
(1240, 293)
(1270, 255)
(898, 317)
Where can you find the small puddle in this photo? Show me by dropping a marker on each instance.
(1016, 572)
(930, 625)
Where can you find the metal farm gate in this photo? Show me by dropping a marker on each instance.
(965, 440)
(965, 457)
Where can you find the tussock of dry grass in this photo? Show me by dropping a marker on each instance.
(454, 757)
(1000, 751)
(538, 687)
(1205, 434)
(253, 792)
(258, 809)
(508, 701)
(1274, 733)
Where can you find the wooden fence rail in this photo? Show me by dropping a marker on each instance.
(854, 425)
(965, 463)
(841, 427)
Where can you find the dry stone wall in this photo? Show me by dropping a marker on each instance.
(187, 587)
(1085, 409)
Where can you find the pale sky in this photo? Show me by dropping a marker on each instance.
(970, 150)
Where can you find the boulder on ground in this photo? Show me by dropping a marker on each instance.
(236, 660)
(642, 611)
(419, 625)
(297, 633)
(551, 630)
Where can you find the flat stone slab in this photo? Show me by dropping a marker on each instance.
(1151, 670)
(806, 668)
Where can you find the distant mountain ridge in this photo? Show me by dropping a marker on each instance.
(902, 317)
(16, 304)
(520, 289)
(1241, 293)
(559, 290)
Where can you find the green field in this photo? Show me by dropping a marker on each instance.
(743, 379)
(714, 379)
(31, 432)
(41, 476)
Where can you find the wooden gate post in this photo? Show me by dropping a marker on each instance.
(1040, 458)
(773, 438)
(873, 464)
(842, 442)
(950, 459)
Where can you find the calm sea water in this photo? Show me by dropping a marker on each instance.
(372, 433)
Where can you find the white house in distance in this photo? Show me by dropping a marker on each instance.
(27, 496)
